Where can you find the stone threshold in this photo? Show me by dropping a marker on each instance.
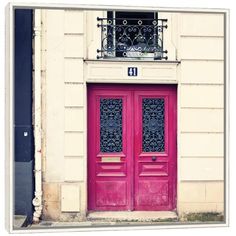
(116, 218)
(133, 216)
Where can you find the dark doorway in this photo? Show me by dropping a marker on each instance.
(23, 123)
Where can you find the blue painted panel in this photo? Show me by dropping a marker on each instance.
(24, 189)
(24, 141)
(23, 67)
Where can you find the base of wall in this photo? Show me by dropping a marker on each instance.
(202, 217)
(185, 208)
(62, 202)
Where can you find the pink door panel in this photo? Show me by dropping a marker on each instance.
(109, 149)
(155, 148)
(131, 147)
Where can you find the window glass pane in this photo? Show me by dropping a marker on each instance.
(153, 125)
(132, 35)
(110, 125)
(134, 32)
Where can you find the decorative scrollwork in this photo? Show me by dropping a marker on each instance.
(153, 125)
(110, 125)
(132, 38)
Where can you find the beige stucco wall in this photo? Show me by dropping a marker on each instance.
(70, 39)
(201, 113)
(64, 101)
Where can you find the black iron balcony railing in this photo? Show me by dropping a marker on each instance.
(132, 38)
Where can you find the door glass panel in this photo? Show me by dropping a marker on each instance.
(110, 125)
(153, 110)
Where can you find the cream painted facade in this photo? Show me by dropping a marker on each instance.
(195, 44)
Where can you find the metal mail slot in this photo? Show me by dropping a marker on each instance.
(110, 159)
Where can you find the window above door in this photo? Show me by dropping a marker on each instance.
(132, 35)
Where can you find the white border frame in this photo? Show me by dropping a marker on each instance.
(9, 134)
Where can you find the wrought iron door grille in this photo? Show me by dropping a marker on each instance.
(110, 125)
(132, 38)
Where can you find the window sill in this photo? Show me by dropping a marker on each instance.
(117, 59)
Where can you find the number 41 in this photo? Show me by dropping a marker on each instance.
(132, 71)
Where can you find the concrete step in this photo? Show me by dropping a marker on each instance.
(133, 216)
(19, 221)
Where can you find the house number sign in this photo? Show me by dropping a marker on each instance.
(132, 71)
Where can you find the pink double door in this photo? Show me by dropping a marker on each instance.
(131, 147)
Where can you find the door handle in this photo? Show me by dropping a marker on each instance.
(154, 158)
